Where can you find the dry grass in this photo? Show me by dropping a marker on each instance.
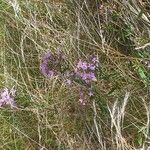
(49, 115)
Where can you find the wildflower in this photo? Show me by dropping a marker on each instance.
(95, 61)
(92, 76)
(44, 65)
(84, 94)
(82, 101)
(52, 65)
(7, 97)
(92, 67)
(82, 98)
(67, 82)
(83, 76)
(82, 65)
(90, 93)
(46, 57)
(86, 69)
(46, 69)
(146, 63)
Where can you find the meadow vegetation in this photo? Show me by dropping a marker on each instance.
(48, 114)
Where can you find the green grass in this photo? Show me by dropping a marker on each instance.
(49, 115)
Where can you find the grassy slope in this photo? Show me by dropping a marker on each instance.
(49, 115)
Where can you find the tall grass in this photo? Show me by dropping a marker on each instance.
(49, 115)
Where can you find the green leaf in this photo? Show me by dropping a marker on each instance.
(141, 73)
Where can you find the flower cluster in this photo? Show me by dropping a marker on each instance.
(44, 66)
(51, 64)
(55, 65)
(86, 70)
(7, 97)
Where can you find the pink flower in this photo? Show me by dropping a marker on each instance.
(82, 101)
(67, 82)
(86, 69)
(92, 67)
(83, 65)
(7, 97)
